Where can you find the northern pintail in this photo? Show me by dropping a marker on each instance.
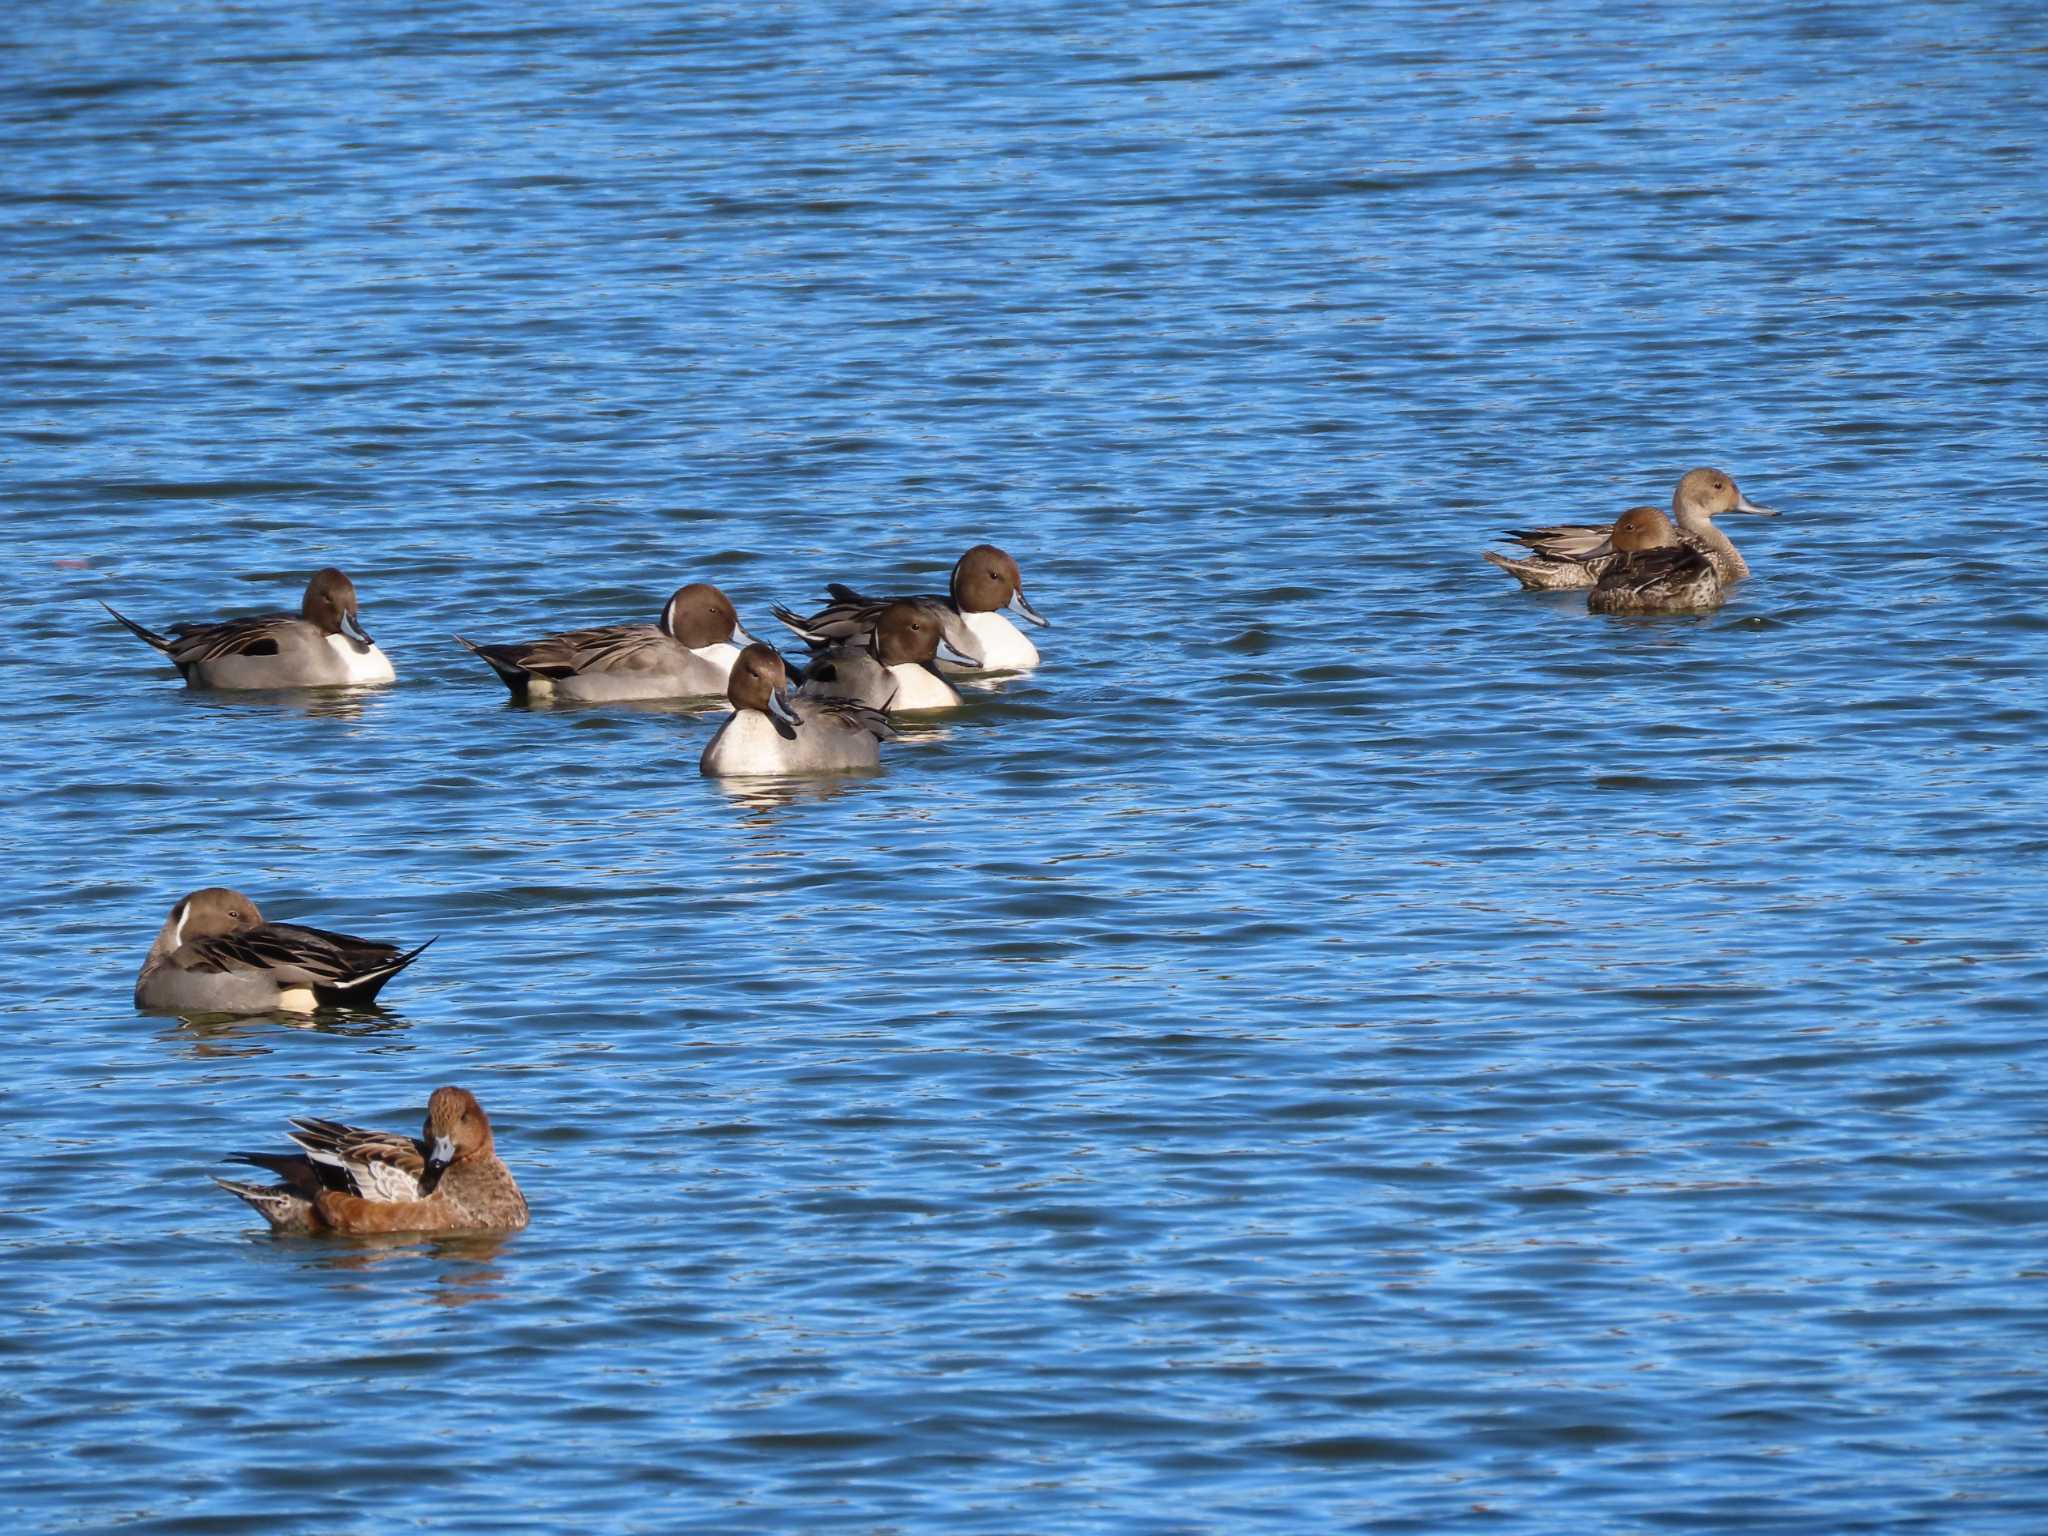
(689, 652)
(893, 667)
(1702, 495)
(1644, 567)
(984, 579)
(352, 1181)
(323, 647)
(771, 733)
(216, 954)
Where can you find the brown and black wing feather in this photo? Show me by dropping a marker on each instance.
(188, 645)
(849, 616)
(1564, 541)
(343, 970)
(373, 1165)
(851, 714)
(1668, 563)
(834, 624)
(612, 648)
(253, 636)
(358, 1155)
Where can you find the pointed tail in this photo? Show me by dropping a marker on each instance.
(147, 636)
(801, 625)
(360, 990)
(500, 659)
(284, 1210)
(1524, 571)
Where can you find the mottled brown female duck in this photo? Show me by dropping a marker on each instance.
(1557, 554)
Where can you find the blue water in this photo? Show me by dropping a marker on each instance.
(1346, 1045)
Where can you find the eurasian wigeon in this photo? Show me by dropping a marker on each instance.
(352, 1182)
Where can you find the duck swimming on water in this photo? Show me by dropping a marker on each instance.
(771, 733)
(1558, 553)
(691, 651)
(353, 1182)
(894, 667)
(984, 579)
(323, 646)
(217, 954)
(1644, 567)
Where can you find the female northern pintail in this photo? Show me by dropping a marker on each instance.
(323, 647)
(1702, 495)
(690, 652)
(771, 733)
(984, 580)
(1644, 567)
(351, 1181)
(893, 666)
(216, 954)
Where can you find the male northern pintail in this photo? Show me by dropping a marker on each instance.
(690, 652)
(892, 667)
(1702, 495)
(323, 647)
(1644, 567)
(351, 1181)
(216, 954)
(771, 733)
(984, 580)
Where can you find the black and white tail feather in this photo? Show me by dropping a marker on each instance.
(343, 970)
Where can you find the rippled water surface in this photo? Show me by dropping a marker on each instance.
(1345, 1045)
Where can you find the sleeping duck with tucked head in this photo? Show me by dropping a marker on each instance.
(216, 954)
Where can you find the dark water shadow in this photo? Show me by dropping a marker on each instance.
(466, 1267)
(215, 1035)
(696, 706)
(983, 682)
(314, 703)
(780, 792)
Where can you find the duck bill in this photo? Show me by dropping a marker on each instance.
(783, 714)
(1600, 551)
(1744, 504)
(439, 1155)
(355, 631)
(1022, 604)
(948, 651)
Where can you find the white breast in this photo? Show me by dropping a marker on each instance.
(721, 655)
(1003, 647)
(747, 743)
(371, 666)
(917, 688)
